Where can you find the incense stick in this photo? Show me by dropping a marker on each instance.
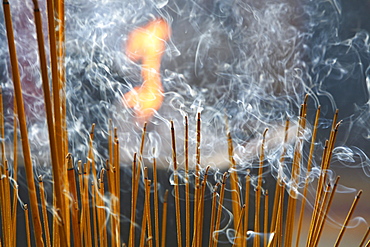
(164, 220)
(133, 202)
(265, 218)
(246, 202)
(345, 224)
(187, 187)
(73, 194)
(44, 212)
(309, 164)
(325, 214)
(213, 214)
(176, 186)
(26, 217)
(258, 191)
(148, 214)
(234, 181)
(237, 230)
(23, 126)
(219, 209)
(365, 237)
(156, 209)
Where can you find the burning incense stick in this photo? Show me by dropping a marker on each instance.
(213, 214)
(246, 201)
(187, 183)
(176, 185)
(239, 225)
(26, 217)
(345, 224)
(219, 210)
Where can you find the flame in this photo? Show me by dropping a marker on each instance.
(147, 44)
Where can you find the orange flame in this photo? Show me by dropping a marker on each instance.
(147, 44)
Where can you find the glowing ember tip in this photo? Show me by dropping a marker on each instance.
(147, 44)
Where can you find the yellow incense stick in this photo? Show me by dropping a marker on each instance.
(23, 125)
(26, 217)
(346, 221)
(213, 214)
(246, 202)
(237, 230)
(219, 210)
(176, 182)
(187, 183)
(44, 211)
(365, 237)
(164, 220)
(156, 206)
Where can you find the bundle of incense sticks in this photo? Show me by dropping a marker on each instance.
(88, 199)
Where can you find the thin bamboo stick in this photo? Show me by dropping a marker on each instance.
(365, 237)
(15, 173)
(278, 178)
(321, 214)
(118, 187)
(82, 196)
(7, 205)
(219, 210)
(197, 182)
(316, 204)
(201, 210)
(346, 221)
(23, 125)
(237, 230)
(3, 207)
(156, 206)
(309, 164)
(74, 208)
(265, 218)
(101, 210)
(196, 219)
(133, 202)
(102, 214)
(148, 214)
(2, 127)
(295, 174)
(325, 165)
(176, 186)
(164, 220)
(26, 217)
(8, 202)
(144, 225)
(94, 212)
(14, 213)
(246, 202)
(325, 214)
(86, 206)
(44, 211)
(213, 214)
(234, 183)
(256, 241)
(279, 222)
(187, 183)
(57, 173)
